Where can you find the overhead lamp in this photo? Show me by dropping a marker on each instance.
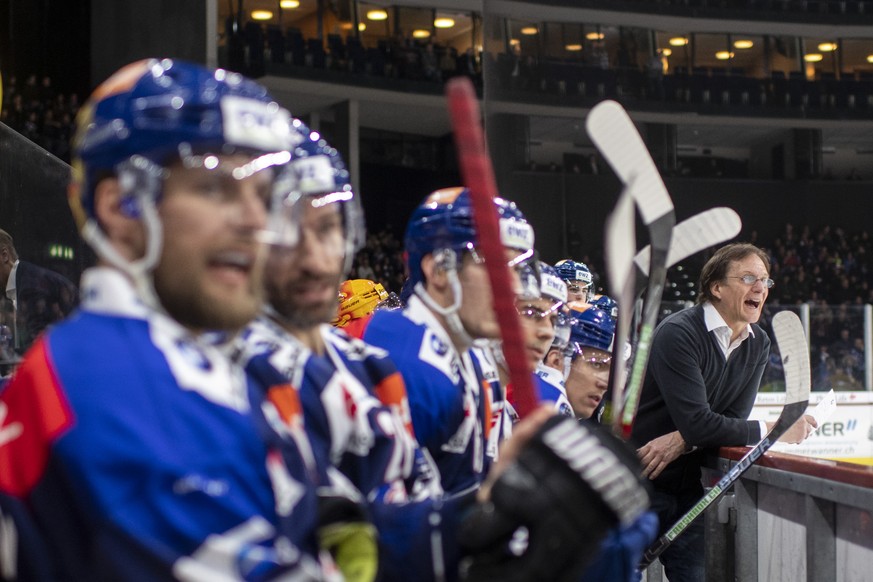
(288, 4)
(261, 15)
(573, 47)
(595, 36)
(378, 14)
(724, 55)
(743, 44)
(362, 26)
(420, 33)
(812, 57)
(444, 22)
(529, 30)
(827, 47)
(514, 42)
(666, 52)
(870, 58)
(678, 41)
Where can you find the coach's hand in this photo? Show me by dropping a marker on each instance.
(660, 452)
(799, 431)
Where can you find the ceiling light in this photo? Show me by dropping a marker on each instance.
(595, 36)
(515, 41)
(573, 47)
(724, 55)
(743, 44)
(261, 15)
(444, 22)
(377, 15)
(812, 57)
(420, 33)
(529, 30)
(666, 52)
(827, 47)
(678, 41)
(362, 26)
(870, 58)
(289, 4)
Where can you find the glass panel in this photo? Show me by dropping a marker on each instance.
(34, 211)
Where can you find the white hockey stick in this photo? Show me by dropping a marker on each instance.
(619, 242)
(615, 135)
(695, 234)
(795, 361)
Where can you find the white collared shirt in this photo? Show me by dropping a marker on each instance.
(716, 324)
(10, 285)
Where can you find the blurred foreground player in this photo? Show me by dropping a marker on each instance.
(141, 451)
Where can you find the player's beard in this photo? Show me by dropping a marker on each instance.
(192, 304)
(297, 314)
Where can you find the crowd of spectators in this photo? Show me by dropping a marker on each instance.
(381, 260)
(40, 113)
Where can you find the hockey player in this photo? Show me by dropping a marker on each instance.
(430, 340)
(140, 450)
(580, 282)
(550, 380)
(588, 358)
(607, 304)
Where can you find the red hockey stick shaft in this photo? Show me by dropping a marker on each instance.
(478, 176)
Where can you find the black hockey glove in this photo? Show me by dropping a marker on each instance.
(551, 508)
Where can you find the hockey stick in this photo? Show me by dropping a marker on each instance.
(619, 242)
(692, 235)
(615, 135)
(478, 176)
(795, 360)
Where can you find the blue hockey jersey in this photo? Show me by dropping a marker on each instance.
(144, 454)
(551, 385)
(449, 399)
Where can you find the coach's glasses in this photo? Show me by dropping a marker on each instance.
(751, 280)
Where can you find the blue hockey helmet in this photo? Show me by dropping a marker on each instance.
(157, 110)
(570, 270)
(319, 177)
(590, 327)
(552, 285)
(445, 221)
(607, 304)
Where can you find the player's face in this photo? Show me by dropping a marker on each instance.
(587, 382)
(738, 303)
(209, 274)
(577, 291)
(477, 311)
(302, 282)
(538, 327)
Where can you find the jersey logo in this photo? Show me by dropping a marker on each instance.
(8, 433)
(436, 352)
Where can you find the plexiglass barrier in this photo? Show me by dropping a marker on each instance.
(35, 214)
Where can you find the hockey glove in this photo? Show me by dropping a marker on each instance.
(350, 538)
(550, 509)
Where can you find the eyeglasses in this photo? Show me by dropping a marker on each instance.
(751, 280)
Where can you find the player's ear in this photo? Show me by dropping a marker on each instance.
(555, 359)
(120, 228)
(434, 273)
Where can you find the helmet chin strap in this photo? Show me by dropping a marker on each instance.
(141, 184)
(447, 260)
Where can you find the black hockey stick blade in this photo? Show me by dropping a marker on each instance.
(795, 360)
